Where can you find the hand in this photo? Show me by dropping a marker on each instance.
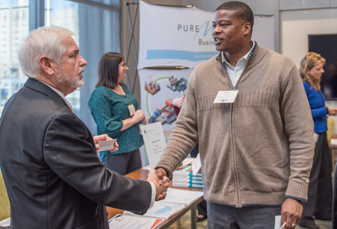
(160, 188)
(104, 137)
(332, 110)
(161, 173)
(145, 121)
(291, 212)
(178, 102)
(138, 117)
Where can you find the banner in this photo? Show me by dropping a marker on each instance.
(174, 36)
(158, 89)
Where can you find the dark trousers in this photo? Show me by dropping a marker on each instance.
(252, 217)
(124, 163)
(319, 203)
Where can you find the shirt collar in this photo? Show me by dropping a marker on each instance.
(245, 57)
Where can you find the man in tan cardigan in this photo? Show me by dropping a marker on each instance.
(256, 151)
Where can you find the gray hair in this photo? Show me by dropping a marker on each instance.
(44, 41)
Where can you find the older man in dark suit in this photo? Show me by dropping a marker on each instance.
(52, 174)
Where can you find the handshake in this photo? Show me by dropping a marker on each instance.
(161, 181)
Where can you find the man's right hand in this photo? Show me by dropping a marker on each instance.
(161, 187)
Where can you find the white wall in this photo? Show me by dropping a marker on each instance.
(297, 25)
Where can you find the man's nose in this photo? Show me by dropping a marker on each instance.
(83, 62)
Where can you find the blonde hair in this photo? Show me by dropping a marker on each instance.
(307, 63)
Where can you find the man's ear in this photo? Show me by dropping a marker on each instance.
(247, 27)
(47, 65)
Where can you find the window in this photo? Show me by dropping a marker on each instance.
(96, 28)
(11, 78)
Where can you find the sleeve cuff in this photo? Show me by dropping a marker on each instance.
(153, 194)
(300, 200)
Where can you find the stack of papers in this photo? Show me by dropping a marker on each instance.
(161, 210)
(134, 222)
(181, 196)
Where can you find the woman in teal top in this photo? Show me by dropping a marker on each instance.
(115, 111)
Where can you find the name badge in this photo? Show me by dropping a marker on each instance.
(132, 110)
(226, 96)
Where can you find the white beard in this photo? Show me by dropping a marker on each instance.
(73, 82)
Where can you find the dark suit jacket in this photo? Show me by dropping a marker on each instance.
(52, 174)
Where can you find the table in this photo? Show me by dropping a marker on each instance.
(142, 174)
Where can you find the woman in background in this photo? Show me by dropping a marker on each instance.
(320, 185)
(115, 111)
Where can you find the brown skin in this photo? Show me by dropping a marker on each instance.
(232, 35)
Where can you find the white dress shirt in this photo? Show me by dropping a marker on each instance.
(234, 73)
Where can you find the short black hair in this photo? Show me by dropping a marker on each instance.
(108, 69)
(242, 10)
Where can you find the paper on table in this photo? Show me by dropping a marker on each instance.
(106, 145)
(134, 222)
(333, 141)
(161, 210)
(179, 196)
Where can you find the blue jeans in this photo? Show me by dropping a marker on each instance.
(252, 217)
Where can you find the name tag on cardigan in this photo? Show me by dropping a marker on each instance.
(226, 96)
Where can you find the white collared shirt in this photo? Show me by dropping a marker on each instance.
(234, 73)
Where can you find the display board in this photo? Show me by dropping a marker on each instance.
(158, 90)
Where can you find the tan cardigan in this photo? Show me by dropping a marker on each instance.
(258, 150)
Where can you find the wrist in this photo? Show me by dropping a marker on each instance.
(327, 110)
(300, 202)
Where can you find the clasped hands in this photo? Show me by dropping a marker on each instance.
(161, 181)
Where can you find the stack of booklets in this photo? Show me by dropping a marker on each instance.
(183, 177)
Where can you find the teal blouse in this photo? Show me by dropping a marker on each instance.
(109, 110)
